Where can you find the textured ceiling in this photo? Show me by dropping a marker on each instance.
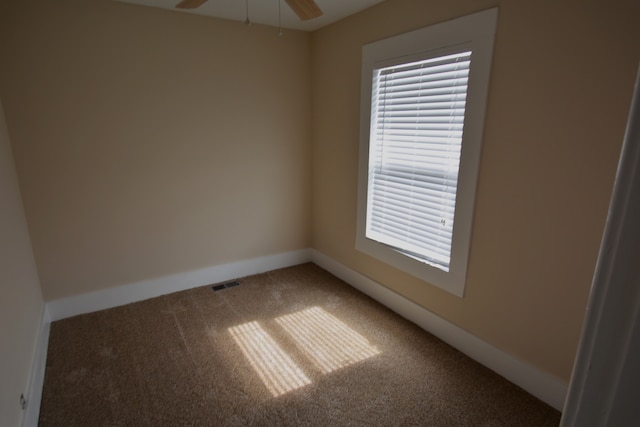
(266, 11)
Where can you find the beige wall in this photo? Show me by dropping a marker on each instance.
(560, 91)
(149, 142)
(21, 304)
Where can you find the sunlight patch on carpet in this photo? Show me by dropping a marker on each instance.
(327, 341)
(276, 369)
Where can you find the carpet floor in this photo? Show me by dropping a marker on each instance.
(295, 346)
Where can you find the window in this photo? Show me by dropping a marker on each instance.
(422, 116)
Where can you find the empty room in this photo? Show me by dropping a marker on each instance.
(281, 212)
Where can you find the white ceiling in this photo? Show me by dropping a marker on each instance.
(266, 11)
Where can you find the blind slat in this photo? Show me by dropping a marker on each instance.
(416, 130)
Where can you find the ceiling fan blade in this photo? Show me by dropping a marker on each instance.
(305, 9)
(190, 4)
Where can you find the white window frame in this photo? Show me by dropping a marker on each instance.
(476, 32)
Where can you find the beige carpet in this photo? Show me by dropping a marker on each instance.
(291, 347)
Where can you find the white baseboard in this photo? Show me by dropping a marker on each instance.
(542, 385)
(36, 379)
(125, 294)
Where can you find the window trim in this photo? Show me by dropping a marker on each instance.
(476, 31)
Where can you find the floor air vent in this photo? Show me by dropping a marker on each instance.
(232, 284)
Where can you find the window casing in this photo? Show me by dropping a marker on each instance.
(422, 114)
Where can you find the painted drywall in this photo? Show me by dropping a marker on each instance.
(150, 142)
(560, 91)
(606, 377)
(21, 305)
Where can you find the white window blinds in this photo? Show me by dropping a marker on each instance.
(417, 118)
